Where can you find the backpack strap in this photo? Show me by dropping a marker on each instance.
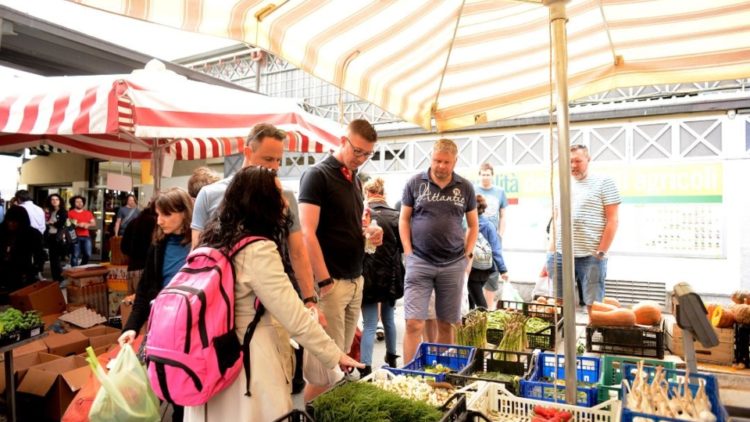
(242, 243)
(259, 311)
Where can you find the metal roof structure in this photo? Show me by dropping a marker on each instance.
(38, 46)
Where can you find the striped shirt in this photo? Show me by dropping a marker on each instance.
(588, 199)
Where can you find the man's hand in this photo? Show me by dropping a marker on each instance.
(321, 316)
(504, 276)
(375, 234)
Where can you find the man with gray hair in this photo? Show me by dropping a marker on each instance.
(437, 247)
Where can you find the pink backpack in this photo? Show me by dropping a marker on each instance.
(192, 351)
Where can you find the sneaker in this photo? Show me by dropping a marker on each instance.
(380, 333)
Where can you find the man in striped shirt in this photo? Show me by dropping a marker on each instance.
(595, 201)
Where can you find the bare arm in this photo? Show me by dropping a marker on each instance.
(610, 214)
(196, 238)
(472, 222)
(404, 229)
(501, 229)
(309, 218)
(301, 263)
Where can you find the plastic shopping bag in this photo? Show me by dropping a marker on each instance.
(125, 394)
(510, 293)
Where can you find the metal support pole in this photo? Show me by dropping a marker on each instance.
(558, 21)
(156, 166)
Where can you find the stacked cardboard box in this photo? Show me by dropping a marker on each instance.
(117, 286)
(722, 354)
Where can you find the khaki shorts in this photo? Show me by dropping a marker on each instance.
(341, 307)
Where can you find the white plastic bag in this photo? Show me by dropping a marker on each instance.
(465, 296)
(126, 394)
(510, 293)
(543, 287)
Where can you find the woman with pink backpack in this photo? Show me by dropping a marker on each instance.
(254, 206)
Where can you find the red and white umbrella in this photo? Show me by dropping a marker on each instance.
(134, 116)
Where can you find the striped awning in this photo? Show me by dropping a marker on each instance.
(463, 62)
(125, 117)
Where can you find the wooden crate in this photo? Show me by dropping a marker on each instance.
(722, 354)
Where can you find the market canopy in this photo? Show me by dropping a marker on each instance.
(130, 117)
(464, 62)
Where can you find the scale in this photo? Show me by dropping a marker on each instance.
(691, 317)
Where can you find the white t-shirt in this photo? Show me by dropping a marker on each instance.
(588, 198)
(36, 216)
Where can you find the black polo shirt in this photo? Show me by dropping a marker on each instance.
(340, 224)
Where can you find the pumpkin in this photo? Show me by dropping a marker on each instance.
(741, 313)
(619, 317)
(710, 308)
(722, 317)
(602, 307)
(647, 313)
(612, 301)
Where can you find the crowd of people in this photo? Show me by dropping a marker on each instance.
(317, 273)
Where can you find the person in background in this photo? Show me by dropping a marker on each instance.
(497, 203)
(82, 219)
(136, 241)
(201, 177)
(595, 200)
(126, 214)
(167, 254)
(477, 277)
(254, 205)
(2, 210)
(383, 273)
(21, 250)
(36, 213)
(57, 216)
(331, 211)
(437, 247)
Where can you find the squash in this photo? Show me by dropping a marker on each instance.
(722, 317)
(741, 297)
(710, 309)
(619, 317)
(741, 313)
(612, 301)
(647, 313)
(602, 307)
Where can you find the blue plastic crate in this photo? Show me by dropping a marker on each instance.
(673, 375)
(588, 370)
(454, 357)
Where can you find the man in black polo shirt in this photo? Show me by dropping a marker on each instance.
(331, 210)
(437, 247)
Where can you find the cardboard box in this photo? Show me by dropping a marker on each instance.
(85, 271)
(28, 348)
(71, 343)
(101, 336)
(55, 384)
(93, 296)
(23, 363)
(98, 351)
(86, 281)
(44, 297)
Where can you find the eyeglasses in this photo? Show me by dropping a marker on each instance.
(358, 152)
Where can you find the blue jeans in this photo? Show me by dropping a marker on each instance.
(82, 245)
(590, 273)
(370, 322)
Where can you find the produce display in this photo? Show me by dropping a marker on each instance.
(550, 393)
(660, 399)
(498, 319)
(722, 317)
(367, 402)
(473, 331)
(609, 313)
(415, 388)
(13, 321)
(514, 336)
(548, 414)
(741, 297)
(437, 368)
(544, 305)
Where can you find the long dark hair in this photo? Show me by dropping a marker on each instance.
(48, 203)
(252, 206)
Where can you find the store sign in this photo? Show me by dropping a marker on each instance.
(119, 182)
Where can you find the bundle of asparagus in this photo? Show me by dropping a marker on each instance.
(473, 332)
(514, 336)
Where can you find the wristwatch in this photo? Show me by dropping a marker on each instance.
(600, 254)
(313, 299)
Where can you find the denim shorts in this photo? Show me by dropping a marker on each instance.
(590, 272)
